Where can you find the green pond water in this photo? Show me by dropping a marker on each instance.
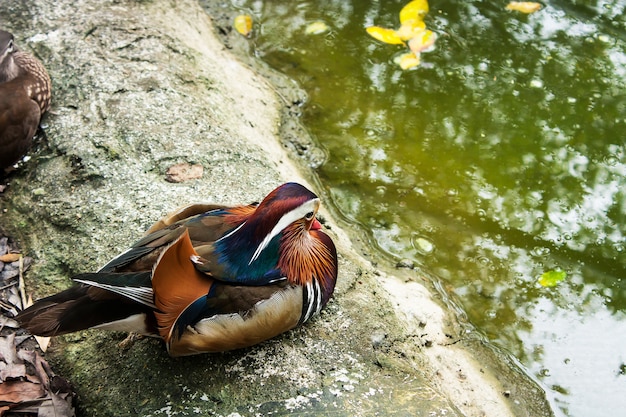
(498, 159)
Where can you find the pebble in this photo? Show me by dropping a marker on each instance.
(405, 263)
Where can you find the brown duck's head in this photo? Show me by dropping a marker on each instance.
(33, 76)
(25, 92)
(8, 68)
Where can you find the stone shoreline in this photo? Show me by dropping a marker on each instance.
(141, 86)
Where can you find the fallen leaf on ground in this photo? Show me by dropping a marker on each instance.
(41, 366)
(59, 405)
(10, 257)
(7, 322)
(43, 342)
(28, 386)
(184, 172)
(13, 371)
(8, 353)
(18, 391)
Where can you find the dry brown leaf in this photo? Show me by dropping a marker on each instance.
(7, 349)
(38, 362)
(13, 371)
(18, 391)
(7, 322)
(10, 257)
(25, 389)
(184, 172)
(61, 406)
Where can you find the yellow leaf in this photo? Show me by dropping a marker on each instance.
(316, 28)
(384, 35)
(524, 6)
(410, 29)
(552, 278)
(414, 10)
(407, 61)
(422, 41)
(243, 24)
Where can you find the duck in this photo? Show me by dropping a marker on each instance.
(206, 278)
(25, 94)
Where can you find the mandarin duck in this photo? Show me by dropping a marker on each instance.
(206, 278)
(24, 97)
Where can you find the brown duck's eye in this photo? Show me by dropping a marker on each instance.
(309, 215)
(10, 47)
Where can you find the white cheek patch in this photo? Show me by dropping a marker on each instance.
(288, 218)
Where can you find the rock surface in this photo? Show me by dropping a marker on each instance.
(141, 86)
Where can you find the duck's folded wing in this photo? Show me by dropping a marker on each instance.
(182, 213)
(204, 222)
(233, 317)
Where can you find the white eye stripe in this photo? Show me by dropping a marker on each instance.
(288, 218)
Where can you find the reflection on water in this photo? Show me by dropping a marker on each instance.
(499, 158)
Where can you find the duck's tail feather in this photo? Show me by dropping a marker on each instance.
(86, 306)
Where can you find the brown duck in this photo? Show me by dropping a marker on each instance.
(24, 97)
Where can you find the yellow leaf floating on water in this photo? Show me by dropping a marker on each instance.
(407, 61)
(422, 41)
(524, 6)
(384, 35)
(243, 24)
(316, 28)
(415, 10)
(410, 29)
(552, 278)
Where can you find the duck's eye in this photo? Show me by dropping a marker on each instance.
(10, 47)
(309, 215)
